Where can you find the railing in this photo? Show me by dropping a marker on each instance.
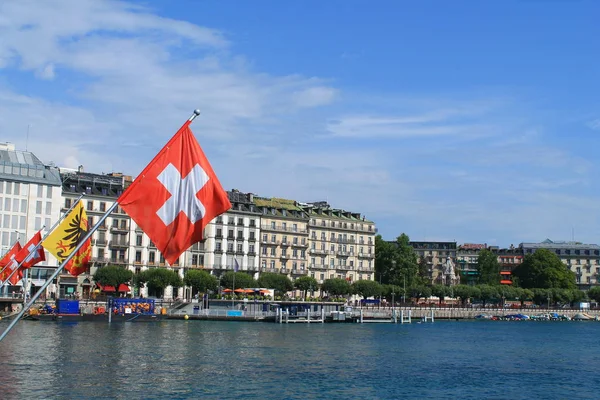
(223, 313)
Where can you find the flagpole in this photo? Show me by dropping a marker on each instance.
(14, 271)
(37, 246)
(7, 264)
(87, 236)
(233, 292)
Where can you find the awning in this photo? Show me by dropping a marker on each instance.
(506, 282)
(106, 288)
(505, 273)
(123, 288)
(227, 290)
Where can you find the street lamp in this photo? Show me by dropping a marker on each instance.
(393, 294)
(404, 288)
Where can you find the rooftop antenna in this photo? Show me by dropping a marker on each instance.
(27, 140)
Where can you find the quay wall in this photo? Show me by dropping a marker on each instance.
(465, 313)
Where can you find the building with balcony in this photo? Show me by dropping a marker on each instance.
(508, 259)
(341, 244)
(236, 236)
(467, 255)
(30, 198)
(283, 236)
(583, 259)
(437, 255)
(111, 241)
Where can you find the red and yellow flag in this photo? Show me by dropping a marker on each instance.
(63, 240)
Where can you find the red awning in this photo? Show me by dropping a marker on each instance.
(123, 288)
(506, 282)
(505, 273)
(106, 288)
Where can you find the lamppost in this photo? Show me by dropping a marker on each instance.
(404, 289)
(393, 294)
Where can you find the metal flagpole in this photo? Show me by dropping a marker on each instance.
(233, 291)
(59, 269)
(9, 249)
(37, 246)
(14, 271)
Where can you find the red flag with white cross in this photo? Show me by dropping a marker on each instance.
(176, 196)
(29, 255)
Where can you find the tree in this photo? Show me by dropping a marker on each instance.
(488, 268)
(336, 287)
(544, 269)
(157, 279)
(242, 280)
(387, 290)
(281, 283)
(366, 288)
(419, 291)
(440, 291)
(306, 283)
(594, 293)
(487, 293)
(113, 275)
(200, 281)
(396, 261)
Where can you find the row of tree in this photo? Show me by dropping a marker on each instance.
(396, 263)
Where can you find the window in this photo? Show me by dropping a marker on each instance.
(252, 222)
(272, 251)
(22, 222)
(283, 226)
(240, 235)
(241, 221)
(9, 188)
(17, 188)
(264, 251)
(38, 223)
(272, 264)
(273, 238)
(230, 234)
(151, 257)
(90, 205)
(102, 206)
(138, 256)
(272, 224)
(251, 235)
(48, 208)
(7, 205)
(218, 246)
(251, 249)
(240, 248)
(67, 203)
(138, 240)
(48, 192)
(219, 233)
(194, 259)
(295, 228)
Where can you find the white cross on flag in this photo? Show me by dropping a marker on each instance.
(176, 196)
(28, 256)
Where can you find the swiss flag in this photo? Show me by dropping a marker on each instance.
(8, 262)
(27, 256)
(176, 196)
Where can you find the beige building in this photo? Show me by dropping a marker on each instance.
(341, 244)
(284, 237)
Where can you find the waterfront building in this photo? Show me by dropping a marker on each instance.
(436, 255)
(111, 243)
(341, 243)
(508, 259)
(29, 200)
(467, 255)
(283, 236)
(583, 259)
(232, 237)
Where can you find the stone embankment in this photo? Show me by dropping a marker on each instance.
(466, 313)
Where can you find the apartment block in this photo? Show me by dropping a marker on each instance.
(583, 259)
(440, 258)
(341, 243)
(284, 236)
(30, 197)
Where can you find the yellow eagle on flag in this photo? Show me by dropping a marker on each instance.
(65, 238)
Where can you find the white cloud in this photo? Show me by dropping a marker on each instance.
(119, 80)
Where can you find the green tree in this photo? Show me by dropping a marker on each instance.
(336, 287)
(487, 293)
(279, 282)
(419, 291)
(157, 279)
(306, 283)
(113, 275)
(440, 291)
(387, 290)
(544, 269)
(594, 293)
(242, 280)
(200, 281)
(366, 288)
(463, 292)
(488, 268)
(395, 262)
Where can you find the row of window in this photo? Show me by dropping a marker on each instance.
(340, 224)
(240, 221)
(22, 189)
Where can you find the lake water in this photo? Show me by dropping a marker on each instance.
(226, 360)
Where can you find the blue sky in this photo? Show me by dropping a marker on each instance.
(464, 120)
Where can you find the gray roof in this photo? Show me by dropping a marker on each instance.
(549, 244)
(24, 166)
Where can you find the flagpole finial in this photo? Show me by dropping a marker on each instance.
(196, 113)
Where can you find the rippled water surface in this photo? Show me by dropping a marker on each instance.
(225, 360)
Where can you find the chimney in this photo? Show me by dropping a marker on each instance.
(80, 169)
